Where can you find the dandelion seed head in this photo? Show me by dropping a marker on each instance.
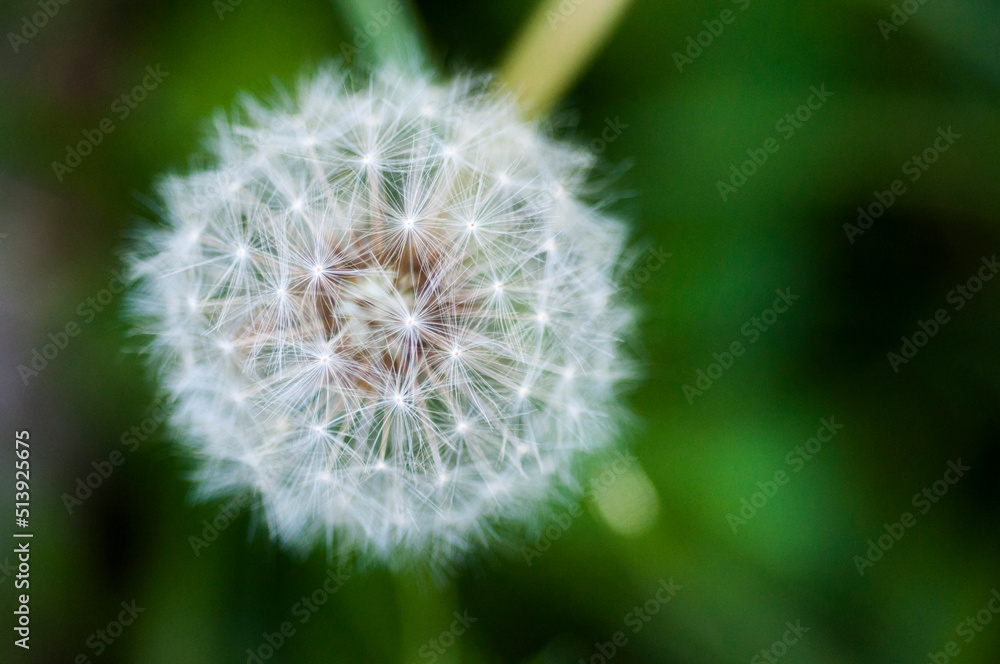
(363, 365)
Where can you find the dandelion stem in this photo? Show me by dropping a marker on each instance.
(425, 614)
(553, 48)
(383, 32)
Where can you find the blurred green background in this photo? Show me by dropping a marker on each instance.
(793, 561)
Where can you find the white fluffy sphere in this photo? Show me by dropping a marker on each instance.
(387, 312)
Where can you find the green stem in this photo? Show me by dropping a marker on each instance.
(426, 613)
(383, 32)
(554, 47)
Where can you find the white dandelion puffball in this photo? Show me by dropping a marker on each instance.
(387, 313)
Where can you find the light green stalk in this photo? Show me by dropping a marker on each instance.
(384, 32)
(554, 47)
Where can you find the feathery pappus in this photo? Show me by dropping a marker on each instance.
(388, 312)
